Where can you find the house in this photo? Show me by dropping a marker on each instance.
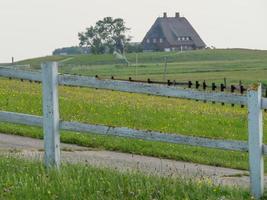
(172, 33)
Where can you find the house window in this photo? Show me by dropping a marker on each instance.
(154, 40)
(185, 38)
(147, 40)
(160, 40)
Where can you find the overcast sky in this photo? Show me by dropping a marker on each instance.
(31, 28)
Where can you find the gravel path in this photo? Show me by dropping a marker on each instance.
(33, 148)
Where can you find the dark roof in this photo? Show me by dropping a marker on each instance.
(171, 28)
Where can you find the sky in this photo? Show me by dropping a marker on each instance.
(33, 28)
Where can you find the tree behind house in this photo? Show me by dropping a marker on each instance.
(106, 36)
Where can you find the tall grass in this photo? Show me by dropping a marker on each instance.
(20, 179)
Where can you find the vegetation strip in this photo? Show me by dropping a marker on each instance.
(22, 179)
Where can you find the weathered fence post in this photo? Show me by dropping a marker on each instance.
(255, 127)
(51, 114)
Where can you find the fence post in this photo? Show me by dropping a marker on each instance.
(255, 128)
(51, 114)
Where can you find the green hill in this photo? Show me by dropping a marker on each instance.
(210, 65)
(154, 57)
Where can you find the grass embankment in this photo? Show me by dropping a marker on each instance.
(210, 65)
(135, 111)
(22, 179)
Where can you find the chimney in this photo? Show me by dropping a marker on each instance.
(165, 15)
(177, 15)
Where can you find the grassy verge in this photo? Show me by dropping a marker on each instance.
(22, 179)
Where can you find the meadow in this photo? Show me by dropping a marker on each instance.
(145, 112)
(135, 111)
(21, 179)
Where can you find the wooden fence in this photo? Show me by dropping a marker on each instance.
(51, 123)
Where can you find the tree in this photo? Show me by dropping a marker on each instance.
(107, 35)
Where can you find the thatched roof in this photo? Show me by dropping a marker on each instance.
(172, 28)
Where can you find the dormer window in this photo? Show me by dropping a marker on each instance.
(148, 41)
(179, 39)
(183, 38)
(154, 40)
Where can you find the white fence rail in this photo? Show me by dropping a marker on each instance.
(51, 122)
(127, 132)
(20, 74)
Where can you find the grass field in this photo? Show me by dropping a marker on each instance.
(135, 111)
(147, 112)
(210, 65)
(22, 179)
